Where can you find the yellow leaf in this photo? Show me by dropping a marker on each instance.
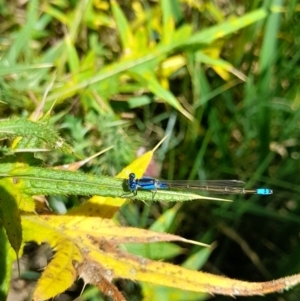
(87, 247)
(172, 64)
(118, 264)
(73, 240)
(61, 273)
(80, 227)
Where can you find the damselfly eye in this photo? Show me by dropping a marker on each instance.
(132, 175)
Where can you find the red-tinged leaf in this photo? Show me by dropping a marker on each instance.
(93, 273)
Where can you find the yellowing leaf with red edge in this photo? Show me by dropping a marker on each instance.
(105, 206)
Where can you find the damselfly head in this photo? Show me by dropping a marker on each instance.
(132, 176)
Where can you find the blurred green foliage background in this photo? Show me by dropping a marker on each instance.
(220, 78)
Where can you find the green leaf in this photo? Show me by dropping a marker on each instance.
(207, 36)
(269, 52)
(8, 70)
(106, 73)
(168, 21)
(155, 251)
(29, 129)
(7, 256)
(123, 26)
(73, 59)
(147, 78)
(10, 216)
(45, 181)
(156, 54)
(22, 38)
(139, 101)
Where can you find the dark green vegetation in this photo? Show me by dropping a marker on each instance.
(226, 94)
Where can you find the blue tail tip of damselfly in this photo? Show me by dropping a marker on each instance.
(264, 191)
